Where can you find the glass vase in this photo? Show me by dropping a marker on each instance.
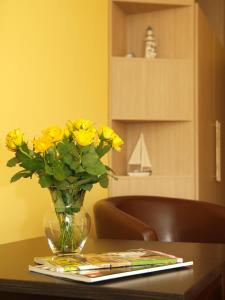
(68, 224)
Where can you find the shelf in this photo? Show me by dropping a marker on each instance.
(152, 177)
(137, 120)
(144, 6)
(172, 99)
(149, 60)
(153, 96)
(168, 186)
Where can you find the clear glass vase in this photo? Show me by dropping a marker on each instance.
(66, 228)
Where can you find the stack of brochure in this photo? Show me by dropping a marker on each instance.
(98, 267)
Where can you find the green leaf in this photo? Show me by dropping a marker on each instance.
(12, 162)
(50, 156)
(67, 197)
(77, 205)
(86, 187)
(21, 174)
(88, 149)
(48, 169)
(20, 156)
(80, 169)
(102, 150)
(25, 148)
(68, 147)
(87, 178)
(72, 179)
(32, 164)
(59, 172)
(96, 169)
(104, 181)
(62, 185)
(70, 162)
(45, 181)
(59, 204)
(67, 158)
(92, 164)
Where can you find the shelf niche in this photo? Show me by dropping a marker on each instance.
(172, 24)
(171, 151)
(169, 144)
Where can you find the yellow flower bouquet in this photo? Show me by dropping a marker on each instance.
(68, 162)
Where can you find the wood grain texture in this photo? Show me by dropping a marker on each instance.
(206, 121)
(181, 84)
(165, 186)
(15, 279)
(173, 30)
(215, 13)
(144, 90)
(162, 89)
(133, 6)
(170, 146)
(219, 111)
(118, 31)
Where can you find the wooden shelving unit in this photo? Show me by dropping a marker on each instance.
(158, 97)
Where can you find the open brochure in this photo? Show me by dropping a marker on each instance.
(98, 267)
(133, 257)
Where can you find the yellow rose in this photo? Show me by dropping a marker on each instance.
(42, 144)
(84, 137)
(67, 132)
(14, 139)
(82, 124)
(55, 133)
(69, 126)
(117, 142)
(106, 132)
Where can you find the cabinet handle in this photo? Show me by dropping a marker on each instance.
(218, 151)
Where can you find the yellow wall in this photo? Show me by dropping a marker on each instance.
(53, 67)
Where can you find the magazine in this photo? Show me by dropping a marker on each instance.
(91, 276)
(133, 257)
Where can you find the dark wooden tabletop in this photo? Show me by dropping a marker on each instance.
(209, 263)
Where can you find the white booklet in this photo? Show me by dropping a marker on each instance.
(95, 275)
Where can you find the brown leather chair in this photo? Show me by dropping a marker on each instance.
(159, 218)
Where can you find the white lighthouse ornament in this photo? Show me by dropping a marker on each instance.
(150, 43)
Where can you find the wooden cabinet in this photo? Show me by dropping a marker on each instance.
(210, 100)
(172, 99)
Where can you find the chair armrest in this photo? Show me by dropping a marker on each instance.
(113, 223)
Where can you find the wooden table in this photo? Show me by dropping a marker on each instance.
(202, 281)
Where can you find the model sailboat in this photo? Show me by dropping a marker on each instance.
(139, 163)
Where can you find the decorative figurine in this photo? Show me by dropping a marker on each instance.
(150, 43)
(130, 55)
(139, 163)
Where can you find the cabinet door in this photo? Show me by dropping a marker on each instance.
(219, 115)
(206, 153)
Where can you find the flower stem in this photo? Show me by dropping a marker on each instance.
(25, 153)
(66, 240)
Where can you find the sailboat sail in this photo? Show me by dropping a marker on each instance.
(145, 161)
(136, 155)
(140, 158)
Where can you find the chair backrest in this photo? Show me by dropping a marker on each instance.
(176, 219)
